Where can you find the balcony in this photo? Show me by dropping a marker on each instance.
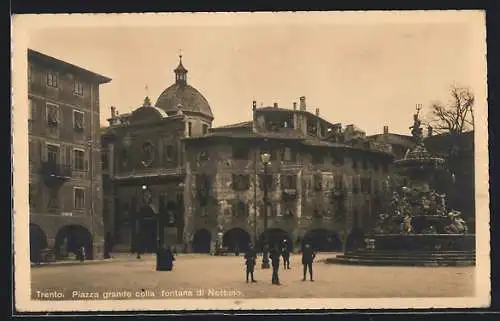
(54, 172)
(289, 194)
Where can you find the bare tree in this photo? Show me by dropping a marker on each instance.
(455, 118)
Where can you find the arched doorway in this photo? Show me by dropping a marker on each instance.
(236, 238)
(70, 239)
(148, 229)
(38, 242)
(201, 241)
(323, 240)
(275, 236)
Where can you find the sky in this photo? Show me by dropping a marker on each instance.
(369, 72)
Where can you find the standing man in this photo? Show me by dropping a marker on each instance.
(308, 256)
(285, 252)
(250, 261)
(275, 262)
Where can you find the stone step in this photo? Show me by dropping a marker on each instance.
(375, 262)
(411, 253)
(408, 258)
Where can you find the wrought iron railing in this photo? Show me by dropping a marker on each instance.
(56, 170)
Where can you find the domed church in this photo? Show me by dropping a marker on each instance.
(143, 151)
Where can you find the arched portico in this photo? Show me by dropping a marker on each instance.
(38, 242)
(275, 236)
(201, 241)
(70, 238)
(323, 240)
(236, 239)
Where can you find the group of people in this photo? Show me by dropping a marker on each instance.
(275, 254)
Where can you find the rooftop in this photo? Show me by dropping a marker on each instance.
(35, 55)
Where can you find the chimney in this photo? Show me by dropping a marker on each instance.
(317, 111)
(303, 103)
(429, 131)
(113, 111)
(275, 105)
(254, 105)
(386, 134)
(294, 105)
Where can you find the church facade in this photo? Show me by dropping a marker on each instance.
(315, 179)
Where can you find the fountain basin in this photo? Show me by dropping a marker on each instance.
(413, 250)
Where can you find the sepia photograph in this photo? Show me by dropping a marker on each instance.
(243, 161)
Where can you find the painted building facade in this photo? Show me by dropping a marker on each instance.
(207, 184)
(65, 192)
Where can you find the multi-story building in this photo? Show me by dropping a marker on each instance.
(64, 157)
(207, 184)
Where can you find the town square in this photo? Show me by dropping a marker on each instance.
(194, 272)
(308, 168)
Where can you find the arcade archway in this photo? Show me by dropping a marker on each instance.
(323, 240)
(236, 239)
(275, 236)
(38, 242)
(201, 241)
(70, 238)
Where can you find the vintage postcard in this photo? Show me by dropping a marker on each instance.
(242, 161)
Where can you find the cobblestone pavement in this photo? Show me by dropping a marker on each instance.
(194, 272)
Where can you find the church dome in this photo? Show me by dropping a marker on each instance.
(182, 96)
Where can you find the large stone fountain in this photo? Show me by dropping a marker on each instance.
(418, 228)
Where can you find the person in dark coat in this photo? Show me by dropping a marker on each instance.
(250, 262)
(275, 262)
(166, 260)
(285, 252)
(308, 256)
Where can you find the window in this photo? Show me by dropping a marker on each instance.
(366, 185)
(355, 185)
(288, 209)
(289, 182)
(385, 167)
(52, 79)
(31, 74)
(79, 159)
(338, 182)
(241, 182)
(337, 158)
(189, 129)
(288, 155)
(104, 161)
(240, 152)
(79, 198)
(32, 110)
(269, 181)
(240, 208)
(52, 115)
(169, 153)
(78, 87)
(203, 187)
(318, 181)
(53, 202)
(205, 129)
(53, 154)
(32, 195)
(375, 165)
(78, 121)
